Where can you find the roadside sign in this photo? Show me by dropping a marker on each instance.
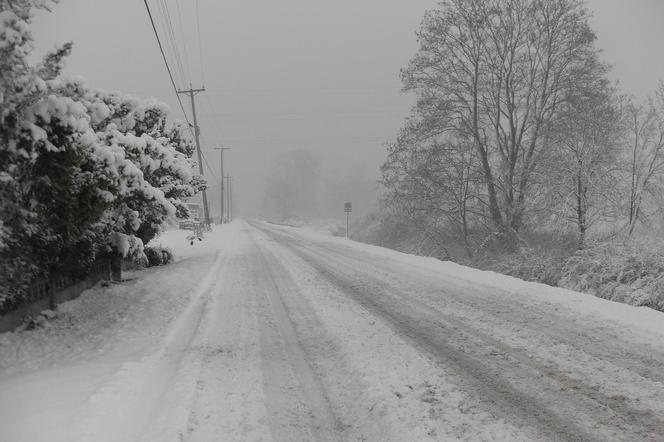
(348, 207)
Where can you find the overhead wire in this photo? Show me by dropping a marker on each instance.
(217, 135)
(170, 41)
(305, 90)
(183, 39)
(200, 46)
(206, 99)
(319, 139)
(168, 69)
(167, 43)
(212, 114)
(170, 32)
(173, 44)
(212, 172)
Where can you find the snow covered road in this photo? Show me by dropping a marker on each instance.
(265, 332)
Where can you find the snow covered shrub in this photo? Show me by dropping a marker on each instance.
(49, 200)
(392, 228)
(82, 172)
(531, 265)
(337, 229)
(158, 256)
(160, 151)
(625, 272)
(39, 321)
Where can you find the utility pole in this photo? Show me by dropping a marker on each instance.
(230, 197)
(191, 92)
(221, 150)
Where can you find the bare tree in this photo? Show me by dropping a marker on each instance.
(435, 180)
(494, 74)
(582, 171)
(645, 154)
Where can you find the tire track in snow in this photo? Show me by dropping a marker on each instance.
(422, 328)
(300, 410)
(629, 365)
(638, 358)
(635, 357)
(143, 385)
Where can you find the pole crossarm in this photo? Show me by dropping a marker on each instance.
(190, 91)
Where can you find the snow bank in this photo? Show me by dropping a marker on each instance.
(98, 369)
(644, 319)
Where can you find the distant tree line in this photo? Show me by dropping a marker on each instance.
(517, 129)
(298, 185)
(83, 172)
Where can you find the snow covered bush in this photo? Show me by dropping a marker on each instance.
(158, 256)
(628, 272)
(625, 272)
(530, 265)
(160, 151)
(82, 172)
(49, 199)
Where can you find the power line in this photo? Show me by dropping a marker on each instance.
(323, 114)
(182, 36)
(305, 90)
(200, 46)
(214, 175)
(169, 44)
(174, 42)
(332, 139)
(168, 69)
(213, 112)
(194, 131)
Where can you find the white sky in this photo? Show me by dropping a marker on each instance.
(290, 74)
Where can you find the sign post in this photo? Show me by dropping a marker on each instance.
(348, 207)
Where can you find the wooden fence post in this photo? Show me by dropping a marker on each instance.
(116, 267)
(51, 294)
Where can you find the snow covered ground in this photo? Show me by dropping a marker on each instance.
(265, 332)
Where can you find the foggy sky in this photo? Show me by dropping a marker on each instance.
(297, 74)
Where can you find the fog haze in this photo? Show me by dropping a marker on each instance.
(297, 75)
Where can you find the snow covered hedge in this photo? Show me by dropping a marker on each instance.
(624, 272)
(628, 272)
(83, 172)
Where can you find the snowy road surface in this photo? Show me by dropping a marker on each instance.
(264, 332)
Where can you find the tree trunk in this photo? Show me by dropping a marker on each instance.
(581, 210)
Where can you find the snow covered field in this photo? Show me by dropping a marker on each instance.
(265, 332)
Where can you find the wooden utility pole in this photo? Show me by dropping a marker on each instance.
(229, 197)
(191, 92)
(221, 150)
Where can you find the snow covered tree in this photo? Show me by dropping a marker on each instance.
(82, 172)
(436, 182)
(161, 151)
(644, 157)
(49, 200)
(582, 170)
(494, 74)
